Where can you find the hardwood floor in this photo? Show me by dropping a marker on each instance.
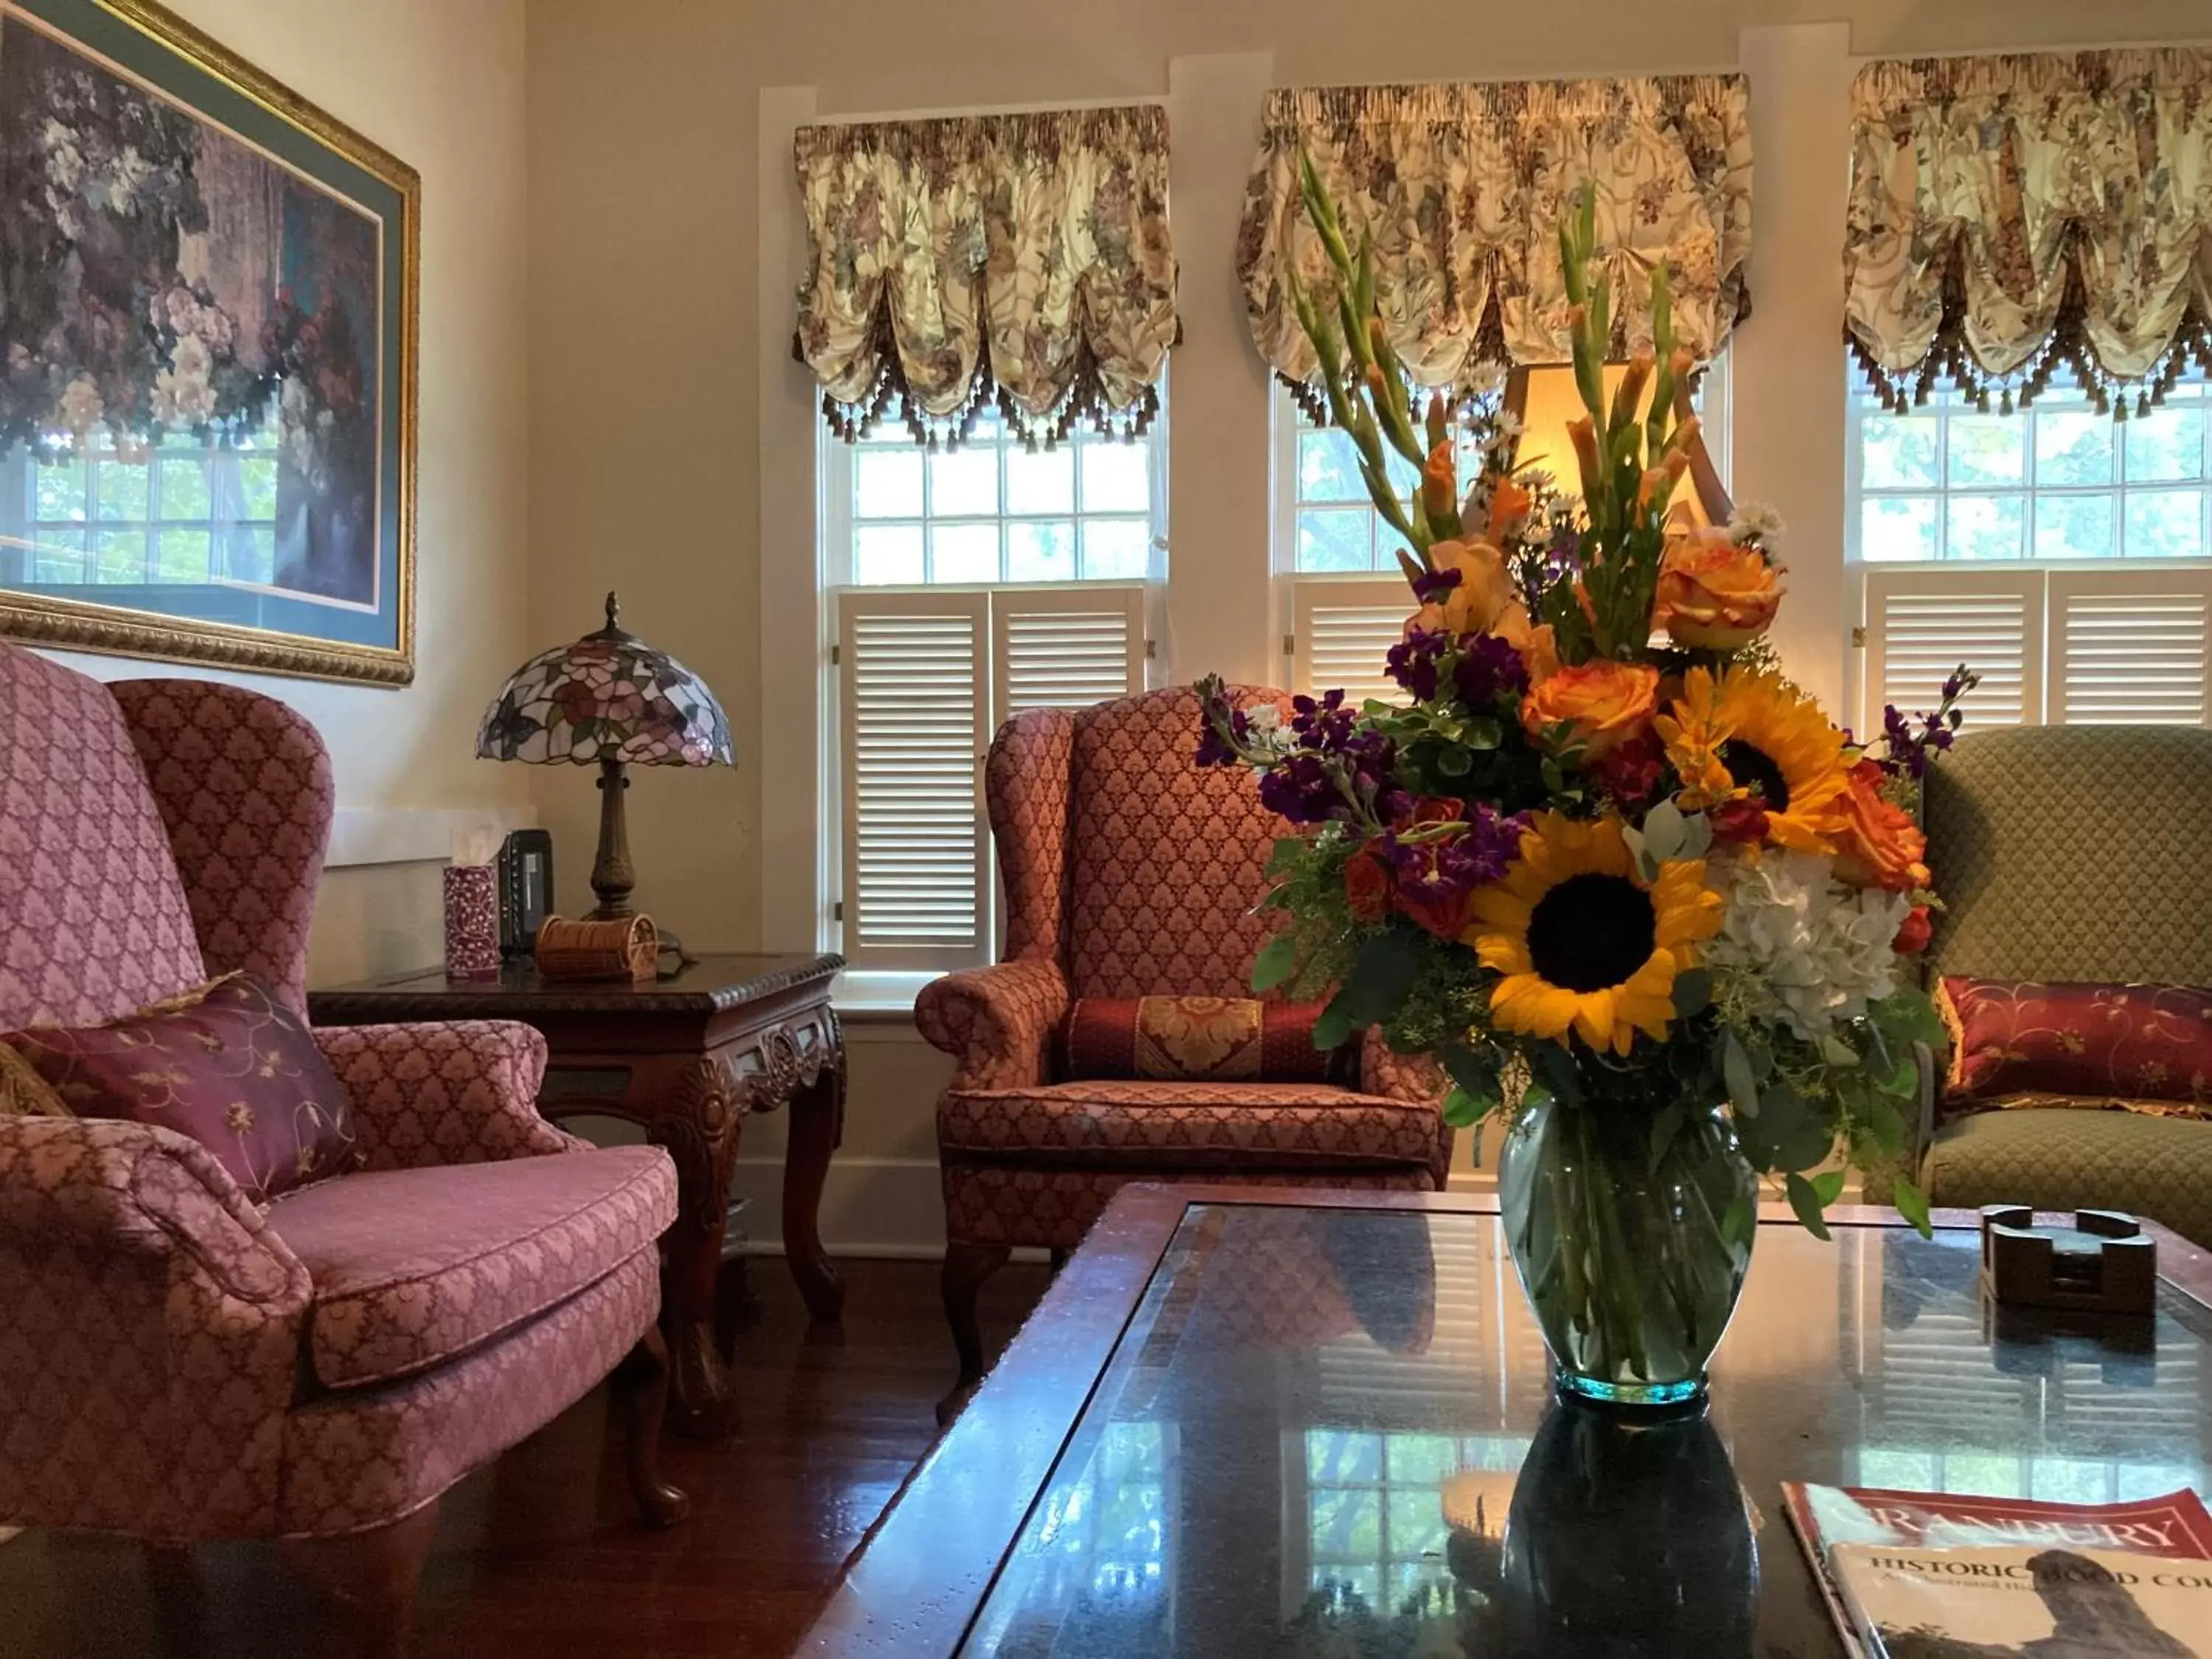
(542, 1554)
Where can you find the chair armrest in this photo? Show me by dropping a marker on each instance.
(1399, 1077)
(443, 1092)
(998, 1022)
(152, 1329)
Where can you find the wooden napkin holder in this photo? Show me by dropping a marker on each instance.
(625, 948)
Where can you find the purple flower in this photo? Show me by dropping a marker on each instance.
(1430, 586)
(1221, 729)
(1415, 661)
(1436, 875)
(1488, 669)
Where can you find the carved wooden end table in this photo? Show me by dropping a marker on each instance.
(687, 1058)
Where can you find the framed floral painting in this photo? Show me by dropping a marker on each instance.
(207, 355)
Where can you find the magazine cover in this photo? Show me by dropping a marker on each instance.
(2175, 1524)
(2055, 1602)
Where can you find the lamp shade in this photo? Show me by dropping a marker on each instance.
(1545, 398)
(607, 696)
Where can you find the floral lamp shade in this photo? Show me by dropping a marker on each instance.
(607, 696)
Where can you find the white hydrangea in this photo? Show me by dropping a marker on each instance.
(1798, 947)
(1264, 728)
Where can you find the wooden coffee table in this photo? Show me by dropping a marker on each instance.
(1252, 1423)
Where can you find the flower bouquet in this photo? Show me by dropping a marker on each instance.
(1626, 885)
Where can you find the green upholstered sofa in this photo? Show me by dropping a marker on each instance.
(2073, 853)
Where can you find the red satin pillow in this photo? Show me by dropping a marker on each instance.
(2143, 1045)
(1198, 1039)
(229, 1065)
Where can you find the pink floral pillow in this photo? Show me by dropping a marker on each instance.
(228, 1064)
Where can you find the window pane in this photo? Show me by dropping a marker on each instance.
(1041, 552)
(183, 556)
(1897, 527)
(2166, 524)
(1417, 1523)
(2073, 447)
(2166, 443)
(964, 481)
(1116, 477)
(964, 553)
(2073, 527)
(1984, 526)
(1335, 539)
(185, 493)
(1988, 449)
(1041, 480)
(121, 491)
(257, 486)
(1116, 548)
(1328, 466)
(60, 490)
(887, 553)
(119, 555)
(1899, 450)
(250, 553)
(887, 483)
(58, 556)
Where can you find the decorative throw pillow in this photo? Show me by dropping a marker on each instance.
(228, 1064)
(1202, 1039)
(2018, 1042)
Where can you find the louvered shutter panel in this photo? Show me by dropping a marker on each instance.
(1342, 628)
(913, 676)
(1066, 647)
(1923, 622)
(2129, 646)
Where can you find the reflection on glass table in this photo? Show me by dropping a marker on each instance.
(1332, 1432)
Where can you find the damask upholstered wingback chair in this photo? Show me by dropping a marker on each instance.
(2073, 854)
(1131, 871)
(178, 1362)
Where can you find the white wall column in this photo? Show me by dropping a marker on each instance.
(1787, 373)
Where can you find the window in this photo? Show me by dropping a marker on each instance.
(2059, 552)
(1374, 1506)
(180, 511)
(2055, 481)
(967, 585)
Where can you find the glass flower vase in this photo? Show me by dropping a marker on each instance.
(1619, 1231)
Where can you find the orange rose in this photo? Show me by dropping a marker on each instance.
(1877, 844)
(1605, 701)
(1714, 595)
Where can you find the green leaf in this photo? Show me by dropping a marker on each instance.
(1453, 762)
(1807, 1202)
(1485, 732)
(1789, 1133)
(1697, 835)
(1474, 1073)
(1738, 1222)
(1829, 1184)
(1737, 1073)
(1557, 1066)
(1283, 857)
(1663, 831)
(1837, 1052)
(1277, 962)
(1694, 992)
(1461, 1109)
(1333, 1029)
(1912, 1204)
(1665, 1126)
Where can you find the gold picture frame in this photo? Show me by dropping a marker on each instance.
(151, 54)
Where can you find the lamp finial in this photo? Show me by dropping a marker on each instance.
(614, 609)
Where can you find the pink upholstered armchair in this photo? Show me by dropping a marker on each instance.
(179, 1364)
(1130, 872)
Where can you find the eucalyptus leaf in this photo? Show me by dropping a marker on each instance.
(1664, 832)
(1837, 1052)
(1453, 762)
(1485, 732)
(1461, 1109)
(1912, 1203)
(1829, 1185)
(1738, 1222)
(1806, 1202)
(1736, 1070)
(1697, 835)
(1283, 856)
(1665, 1126)
(1789, 1133)
(1333, 1029)
(1694, 992)
(1277, 962)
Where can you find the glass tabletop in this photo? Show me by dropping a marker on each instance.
(1331, 1432)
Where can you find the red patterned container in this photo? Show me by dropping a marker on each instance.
(472, 922)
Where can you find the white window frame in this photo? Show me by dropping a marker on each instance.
(866, 986)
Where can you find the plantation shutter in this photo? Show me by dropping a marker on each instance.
(1341, 628)
(2129, 646)
(1065, 647)
(913, 687)
(1922, 623)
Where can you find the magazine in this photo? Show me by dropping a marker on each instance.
(2175, 1524)
(2024, 1603)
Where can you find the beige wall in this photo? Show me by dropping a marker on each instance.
(440, 84)
(659, 351)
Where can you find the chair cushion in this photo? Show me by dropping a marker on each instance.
(97, 920)
(411, 1267)
(226, 1064)
(1201, 1039)
(2157, 1167)
(1192, 1125)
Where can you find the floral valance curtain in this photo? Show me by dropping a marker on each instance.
(1463, 189)
(2010, 216)
(1019, 259)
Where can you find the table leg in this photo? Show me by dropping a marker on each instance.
(816, 1125)
(701, 1135)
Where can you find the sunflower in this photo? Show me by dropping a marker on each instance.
(1584, 942)
(1745, 733)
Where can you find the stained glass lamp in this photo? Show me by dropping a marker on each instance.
(611, 699)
